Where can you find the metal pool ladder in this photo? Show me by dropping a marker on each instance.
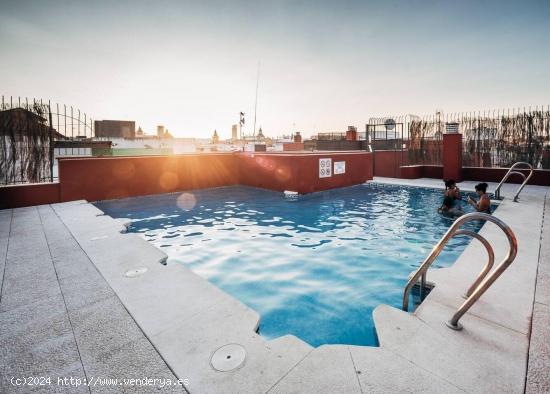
(482, 282)
(510, 172)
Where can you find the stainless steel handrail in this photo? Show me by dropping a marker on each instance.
(510, 172)
(482, 282)
(480, 276)
(490, 261)
(438, 248)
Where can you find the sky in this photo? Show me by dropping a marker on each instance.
(324, 65)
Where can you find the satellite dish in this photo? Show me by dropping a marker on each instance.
(390, 124)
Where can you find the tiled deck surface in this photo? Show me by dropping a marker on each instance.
(67, 309)
(538, 373)
(59, 317)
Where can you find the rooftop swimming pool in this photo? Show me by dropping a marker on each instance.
(315, 267)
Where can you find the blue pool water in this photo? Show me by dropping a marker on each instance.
(315, 267)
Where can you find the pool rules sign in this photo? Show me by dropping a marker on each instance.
(325, 168)
(339, 167)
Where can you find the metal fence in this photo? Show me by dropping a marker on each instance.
(337, 136)
(29, 133)
(425, 145)
(496, 138)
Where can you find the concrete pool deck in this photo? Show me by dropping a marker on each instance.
(80, 298)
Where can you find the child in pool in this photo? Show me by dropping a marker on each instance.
(448, 208)
(452, 190)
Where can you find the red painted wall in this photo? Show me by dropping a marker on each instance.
(422, 171)
(433, 172)
(15, 196)
(118, 177)
(300, 172)
(452, 156)
(483, 174)
(293, 146)
(411, 172)
(103, 178)
(387, 162)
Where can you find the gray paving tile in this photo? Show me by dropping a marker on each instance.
(338, 376)
(73, 264)
(18, 294)
(66, 247)
(27, 247)
(37, 340)
(542, 294)
(84, 289)
(538, 371)
(16, 320)
(380, 371)
(5, 225)
(29, 270)
(102, 327)
(137, 359)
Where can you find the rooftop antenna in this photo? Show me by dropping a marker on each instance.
(256, 100)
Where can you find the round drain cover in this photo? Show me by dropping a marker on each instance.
(228, 357)
(136, 272)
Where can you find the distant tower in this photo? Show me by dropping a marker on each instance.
(160, 132)
(261, 136)
(234, 133)
(139, 132)
(215, 138)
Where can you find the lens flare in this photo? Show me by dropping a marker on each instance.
(283, 173)
(186, 201)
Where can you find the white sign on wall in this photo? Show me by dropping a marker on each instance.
(339, 167)
(325, 168)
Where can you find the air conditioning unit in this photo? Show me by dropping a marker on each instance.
(451, 127)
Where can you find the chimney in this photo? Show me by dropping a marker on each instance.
(351, 134)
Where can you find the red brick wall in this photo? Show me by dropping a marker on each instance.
(15, 196)
(300, 172)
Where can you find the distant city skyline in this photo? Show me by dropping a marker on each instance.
(191, 65)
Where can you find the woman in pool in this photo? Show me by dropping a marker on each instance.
(484, 202)
(451, 190)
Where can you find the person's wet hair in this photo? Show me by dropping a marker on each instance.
(449, 183)
(482, 187)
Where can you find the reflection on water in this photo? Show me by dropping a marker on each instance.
(315, 267)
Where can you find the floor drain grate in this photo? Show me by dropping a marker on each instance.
(135, 273)
(228, 357)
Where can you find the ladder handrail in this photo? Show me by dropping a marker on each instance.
(480, 276)
(482, 282)
(510, 172)
(437, 249)
(490, 261)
